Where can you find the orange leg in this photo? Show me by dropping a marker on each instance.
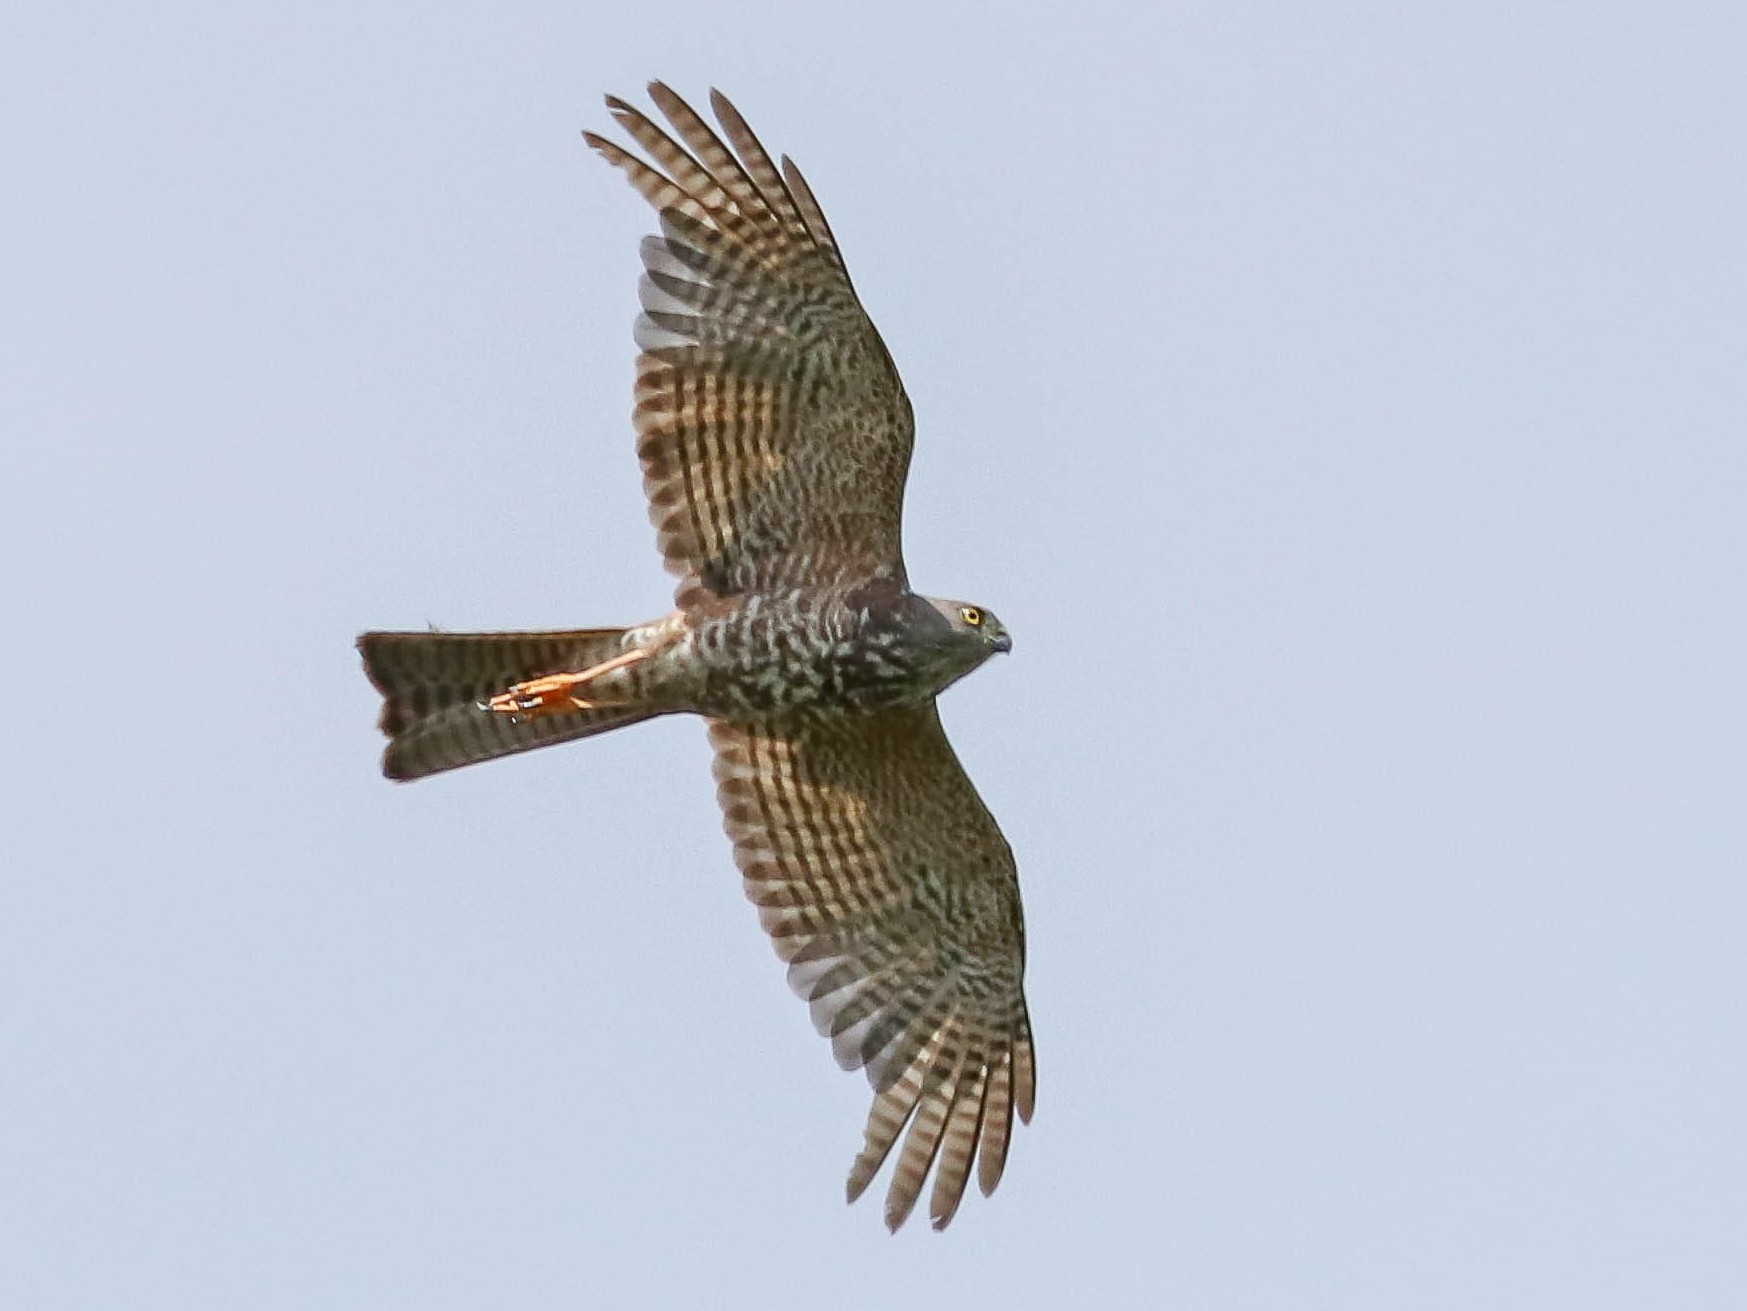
(553, 694)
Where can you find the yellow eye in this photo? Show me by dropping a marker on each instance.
(971, 615)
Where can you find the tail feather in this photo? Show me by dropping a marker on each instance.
(434, 686)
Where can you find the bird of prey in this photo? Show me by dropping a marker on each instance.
(774, 437)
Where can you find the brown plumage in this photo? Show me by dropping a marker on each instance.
(433, 683)
(775, 436)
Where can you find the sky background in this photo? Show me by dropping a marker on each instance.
(1343, 406)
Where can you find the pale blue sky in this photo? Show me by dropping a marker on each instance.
(1343, 405)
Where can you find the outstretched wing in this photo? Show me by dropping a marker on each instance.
(886, 886)
(772, 427)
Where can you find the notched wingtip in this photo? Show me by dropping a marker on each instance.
(895, 1215)
(624, 112)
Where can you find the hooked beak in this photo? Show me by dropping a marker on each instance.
(1003, 643)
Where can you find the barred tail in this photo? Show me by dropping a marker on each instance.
(433, 686)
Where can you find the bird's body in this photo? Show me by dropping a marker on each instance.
(775, 437)
(831, 651)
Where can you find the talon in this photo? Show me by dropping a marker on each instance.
(541, 696)
(553, 694)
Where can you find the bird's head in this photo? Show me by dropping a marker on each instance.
(971, 636)
(974, 624)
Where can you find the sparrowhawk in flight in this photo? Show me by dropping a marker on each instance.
(774, 436)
